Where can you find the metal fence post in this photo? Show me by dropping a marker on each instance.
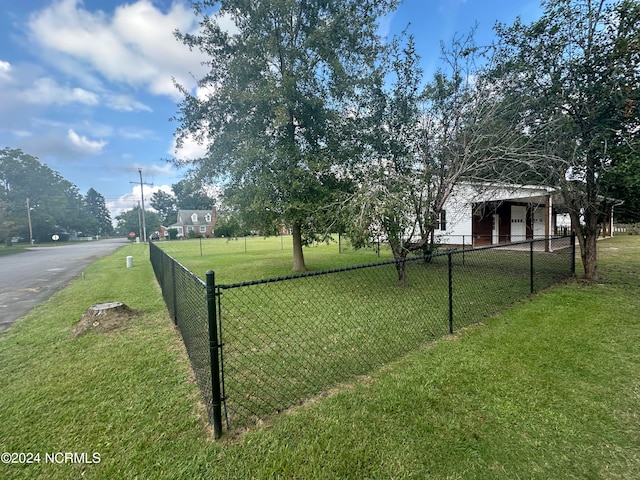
(531, 266)
(450, 264)
(174, 292)
(464, 247)
(212, 313)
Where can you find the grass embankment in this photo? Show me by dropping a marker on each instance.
(13, 249)
(549, 389)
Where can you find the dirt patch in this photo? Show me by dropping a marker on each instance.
(104, 318)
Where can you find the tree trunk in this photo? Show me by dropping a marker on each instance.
(400, 256)
(401, 268)
(589, 253)
(590, 257)
(587, 235)
(101, 309)
(298, 255)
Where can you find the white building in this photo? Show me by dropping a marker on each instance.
(478, 215)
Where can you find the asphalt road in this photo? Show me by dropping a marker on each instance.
(31, 277)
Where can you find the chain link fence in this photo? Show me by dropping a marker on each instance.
(185, 296)
(281, 341)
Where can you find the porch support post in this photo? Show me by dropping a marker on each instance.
(611, 221)
(548, 211)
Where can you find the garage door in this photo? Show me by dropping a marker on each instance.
(518, 223)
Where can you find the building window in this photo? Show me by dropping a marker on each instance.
(442, 221)
(208, 218)
(194, 217)
(203, 229)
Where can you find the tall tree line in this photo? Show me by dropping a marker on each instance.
(37, 202)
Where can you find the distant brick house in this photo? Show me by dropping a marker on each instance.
(201, 222)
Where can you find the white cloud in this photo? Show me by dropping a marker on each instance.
(5, 69)
(21, 133)
(82, 143)
(135, 45)
(92, 127)
(165, 170)
(204, 93)
(384, 25)
(136, 133)
(130, 200)
(46, 91)
(125, 103)
(191, 149)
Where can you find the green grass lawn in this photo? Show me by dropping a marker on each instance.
(250, 258)
(285, 341)
(548, 389)
(13, 249)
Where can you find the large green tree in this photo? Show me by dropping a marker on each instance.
(31, 191)
(52, 200)
(131, 221)
(282, 86)
(23, 178)
(577, 68)
(623, 180)
(425, 141)
(191, 195)
(100, 219)
(624, 183)
(390, 196)
(165, 204)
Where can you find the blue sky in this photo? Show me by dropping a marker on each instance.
(86, 86)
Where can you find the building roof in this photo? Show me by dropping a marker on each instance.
(195, 217)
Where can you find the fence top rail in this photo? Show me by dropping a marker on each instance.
(186, 270)
(378, 264)
(511, 244)
(320, 272)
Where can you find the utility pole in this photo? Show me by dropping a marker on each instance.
(29, 219)
(139, 219)
(144, 223)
